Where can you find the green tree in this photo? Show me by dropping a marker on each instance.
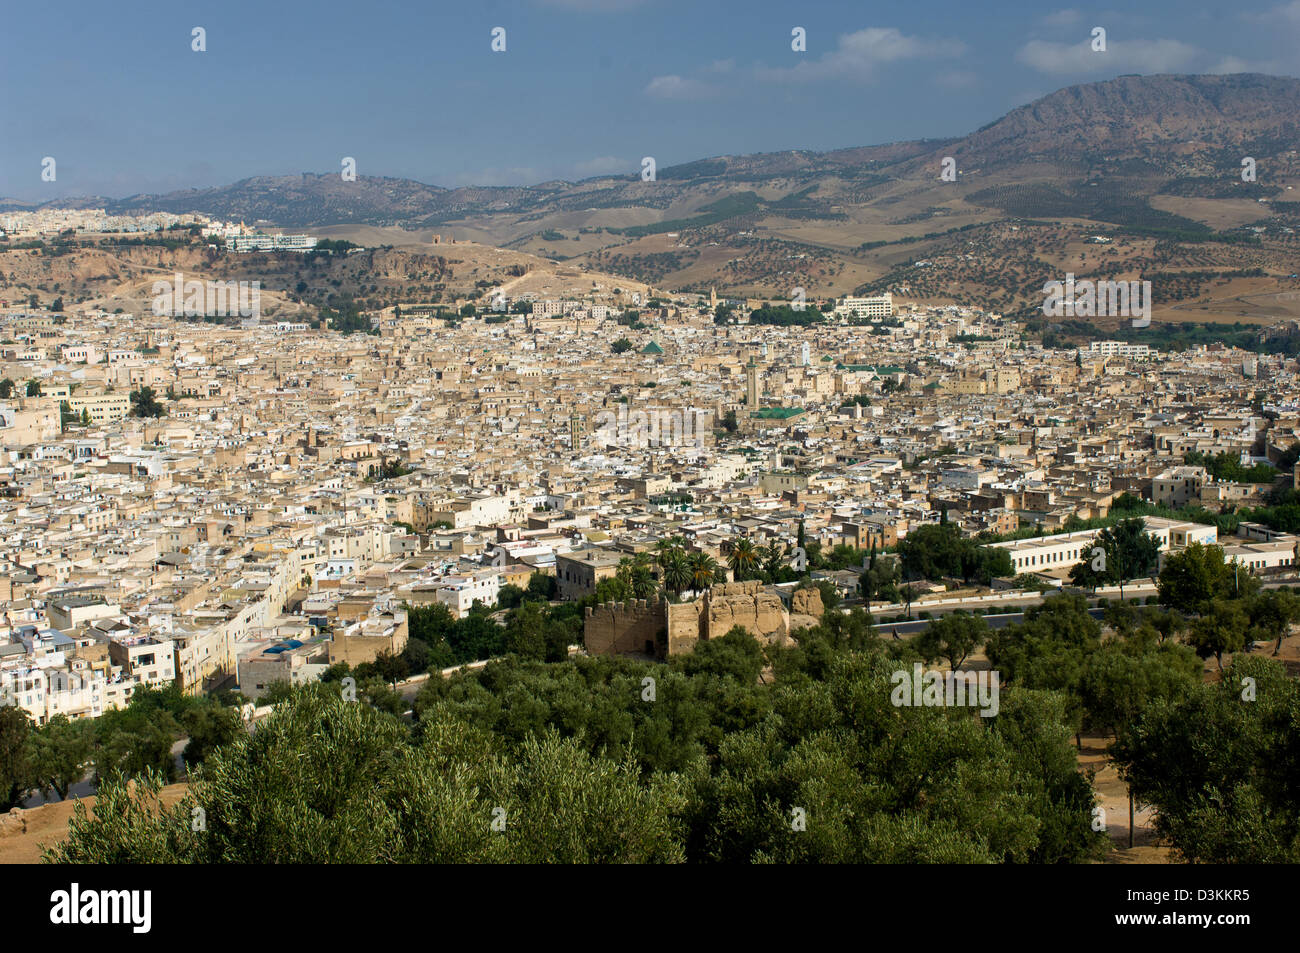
(637, 575)
(541, 586)
(17, 775)
(509, 596)
(61, 752)
(675, 570)
(1196, 576)
(953, 637)
(144, 403)
(1219, 766)
(209, 726)
(6, 389)
(704, 571)
(744, 558)
(1272, 613)
(323, 780)
(1221, 628)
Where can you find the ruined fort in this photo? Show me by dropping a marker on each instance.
(661, 629)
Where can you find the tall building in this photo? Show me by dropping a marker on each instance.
(575, 432)
(751, 385)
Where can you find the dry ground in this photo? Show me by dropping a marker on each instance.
(48, 824)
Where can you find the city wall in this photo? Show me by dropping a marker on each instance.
(664, 629)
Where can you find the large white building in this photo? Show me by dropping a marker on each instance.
(1063, 551)
(247, 243)
(1118, 349)
(876, 306)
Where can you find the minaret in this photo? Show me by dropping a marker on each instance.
(713, 298)
(575, 432)
(751, 385)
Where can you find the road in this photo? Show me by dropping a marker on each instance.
(999, 621)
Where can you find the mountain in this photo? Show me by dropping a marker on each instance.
(1145, 160)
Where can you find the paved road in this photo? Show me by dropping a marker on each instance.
(998, 621)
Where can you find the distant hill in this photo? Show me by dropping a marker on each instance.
(1143, 159)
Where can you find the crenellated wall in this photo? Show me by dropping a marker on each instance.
(662, 629)
(616, 628)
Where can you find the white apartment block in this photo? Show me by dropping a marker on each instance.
(1270, 555)
(1118, 349)
(1063, 551)
(876, 306)
(247, 243)
(46, 692)
(459, 593)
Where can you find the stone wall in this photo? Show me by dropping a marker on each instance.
(686, 626)
(617, 628)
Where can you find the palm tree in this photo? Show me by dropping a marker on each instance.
(744, 557)
(635, 573)
(703, 569)
(676, 570)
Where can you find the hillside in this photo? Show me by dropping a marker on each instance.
(1152, 163)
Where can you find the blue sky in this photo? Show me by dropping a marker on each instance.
(114, 92)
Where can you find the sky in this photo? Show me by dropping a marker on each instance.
(117, 95)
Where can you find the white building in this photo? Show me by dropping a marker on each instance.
(247, 243)
(1118, 349)
(459, 592)
(1063, 551)
(877, 306)
(46, 692)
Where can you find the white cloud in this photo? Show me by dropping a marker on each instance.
(858, 56)
(1121, 56)
(677, 87)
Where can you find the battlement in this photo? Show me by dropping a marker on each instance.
(632, 627)
(656, 627)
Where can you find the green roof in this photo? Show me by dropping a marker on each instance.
(777, 413)
(652, 348)
(882, 371)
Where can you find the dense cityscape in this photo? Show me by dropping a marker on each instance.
(934, 502)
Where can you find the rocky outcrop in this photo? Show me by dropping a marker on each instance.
(807, 602)
(14, 823)
(746, 604)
